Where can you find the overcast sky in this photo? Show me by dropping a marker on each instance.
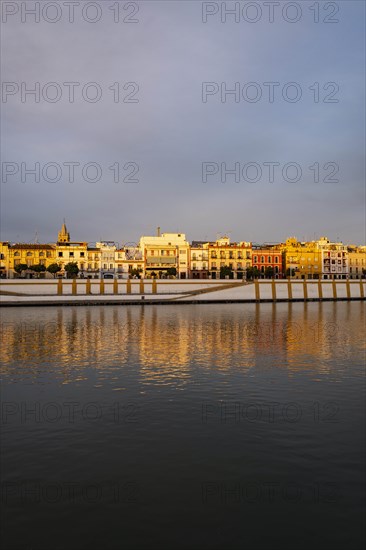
(169, 132)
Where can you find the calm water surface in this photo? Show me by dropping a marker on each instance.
(213, 427)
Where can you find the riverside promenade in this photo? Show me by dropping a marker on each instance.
(20, 292)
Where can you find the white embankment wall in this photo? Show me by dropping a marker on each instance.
(20, 291)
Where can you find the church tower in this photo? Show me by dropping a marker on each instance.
(63, 235)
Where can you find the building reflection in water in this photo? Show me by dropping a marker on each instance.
(168, 344)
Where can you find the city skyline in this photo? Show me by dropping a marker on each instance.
(37, 237)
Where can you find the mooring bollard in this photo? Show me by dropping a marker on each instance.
(59, 287)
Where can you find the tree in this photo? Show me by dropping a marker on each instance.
(72, 270)
(252, 273)
(225, 271)
(53, 268)
(269, 272)
(134, 272)
(38, 268)
(20, 267)
(171, 271)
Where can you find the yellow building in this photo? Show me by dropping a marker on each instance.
(26, 254)
(303, 260)
(227, 259)
(67, 252)
(4, 254)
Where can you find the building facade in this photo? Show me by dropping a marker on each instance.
(165, 255)
(301, 260)
(198, 260)
(268, 260)
(229, 260)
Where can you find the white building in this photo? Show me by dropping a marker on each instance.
(165, 254)
(334, 259)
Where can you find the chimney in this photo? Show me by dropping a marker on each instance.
(158, 232)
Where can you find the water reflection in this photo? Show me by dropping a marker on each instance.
(177, 344)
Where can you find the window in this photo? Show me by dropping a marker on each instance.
(162, 253)
(29, 254)
(269, 259)
(48, 254)
(82, 254)
(60, 254)
(16, 254)
(152, 252)
(262, 259)
(255, 259)
(276, 259)
(71, 254)
(41, 254)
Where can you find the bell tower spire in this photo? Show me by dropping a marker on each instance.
(63, 235)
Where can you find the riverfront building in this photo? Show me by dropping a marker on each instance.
(268, 260)
(165, 254)
(170, 255)
(227, 259)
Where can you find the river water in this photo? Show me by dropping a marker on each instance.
(183, 426)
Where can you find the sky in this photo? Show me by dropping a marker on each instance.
(283, 155)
